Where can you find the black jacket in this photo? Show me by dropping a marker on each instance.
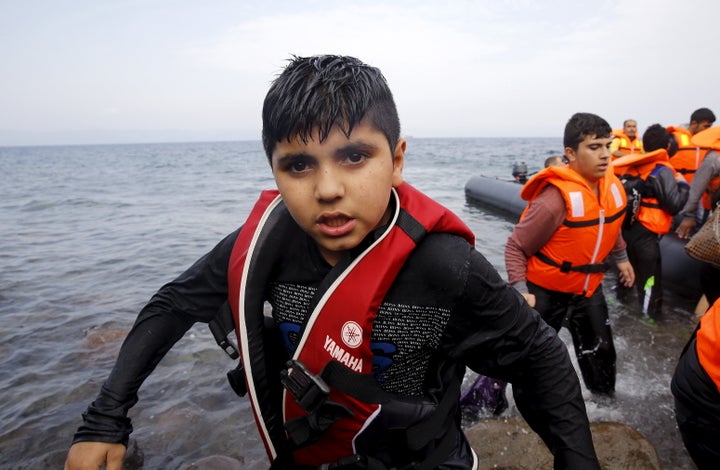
(448, 304)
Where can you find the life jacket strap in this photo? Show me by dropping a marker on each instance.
(221, 326)
(311, 394)
(305, 430)
(650, 205)
(310, 390)
(322, 413)
(567, 266)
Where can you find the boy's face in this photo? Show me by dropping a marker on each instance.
(338, 190)
(696, 127)
(591, 159)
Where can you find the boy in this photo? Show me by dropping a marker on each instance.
(688, 157)
(663, 193)
(379, 301)
(556, 255)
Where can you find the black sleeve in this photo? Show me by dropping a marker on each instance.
(495, 333)
(670, 194)
(196, 295)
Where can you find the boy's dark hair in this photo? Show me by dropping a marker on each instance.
(702, 115)
(656, 137)
(582, 125)
(313, 94)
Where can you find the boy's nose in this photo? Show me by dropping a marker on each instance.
(328, 185)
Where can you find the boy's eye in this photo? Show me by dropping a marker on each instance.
(298, 166)
(356, 157)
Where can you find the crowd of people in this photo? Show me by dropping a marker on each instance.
(670, 179)
(380, 300)
(611, 197)
(678, 174)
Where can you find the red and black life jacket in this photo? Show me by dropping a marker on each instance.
(335, 339)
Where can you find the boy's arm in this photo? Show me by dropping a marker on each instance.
(671, 192)
(544, 215)
(709, 168)
(496, 333)
(196, 295)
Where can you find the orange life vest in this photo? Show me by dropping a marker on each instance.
(650, 214)
(573, 260)
(626, 145)
(709, 139)
(689, 156)
(708, 342)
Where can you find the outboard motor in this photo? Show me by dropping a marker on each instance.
(520, 172)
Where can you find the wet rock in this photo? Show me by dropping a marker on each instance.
(510, 444)
(103, 341)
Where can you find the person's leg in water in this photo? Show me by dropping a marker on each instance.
(648, 274)
(589, 326)
(487, 394)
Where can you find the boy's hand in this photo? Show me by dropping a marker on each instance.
(685, 228)
(93, 455)
(627, 273)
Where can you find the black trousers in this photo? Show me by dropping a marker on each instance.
(589, 325)
(697, 409)
(643, 249)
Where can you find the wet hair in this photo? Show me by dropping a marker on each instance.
(702, 115)
(656, 137)
(313, 94)
(582, 125)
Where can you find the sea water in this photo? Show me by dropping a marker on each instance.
(89, 233)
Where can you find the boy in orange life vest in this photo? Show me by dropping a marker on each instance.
(626, 141)
(705, 183)
(704, 192)
(379, 302)
(696, 388)
(663, 194)
(557, 254)
(688, 157)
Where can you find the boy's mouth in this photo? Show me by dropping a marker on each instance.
(335, 225)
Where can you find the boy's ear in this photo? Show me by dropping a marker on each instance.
(569, 154)
(398, 162)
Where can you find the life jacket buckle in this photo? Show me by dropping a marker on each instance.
(310, 390)
(565, 267)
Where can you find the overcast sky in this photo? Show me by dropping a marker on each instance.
(101, 71)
